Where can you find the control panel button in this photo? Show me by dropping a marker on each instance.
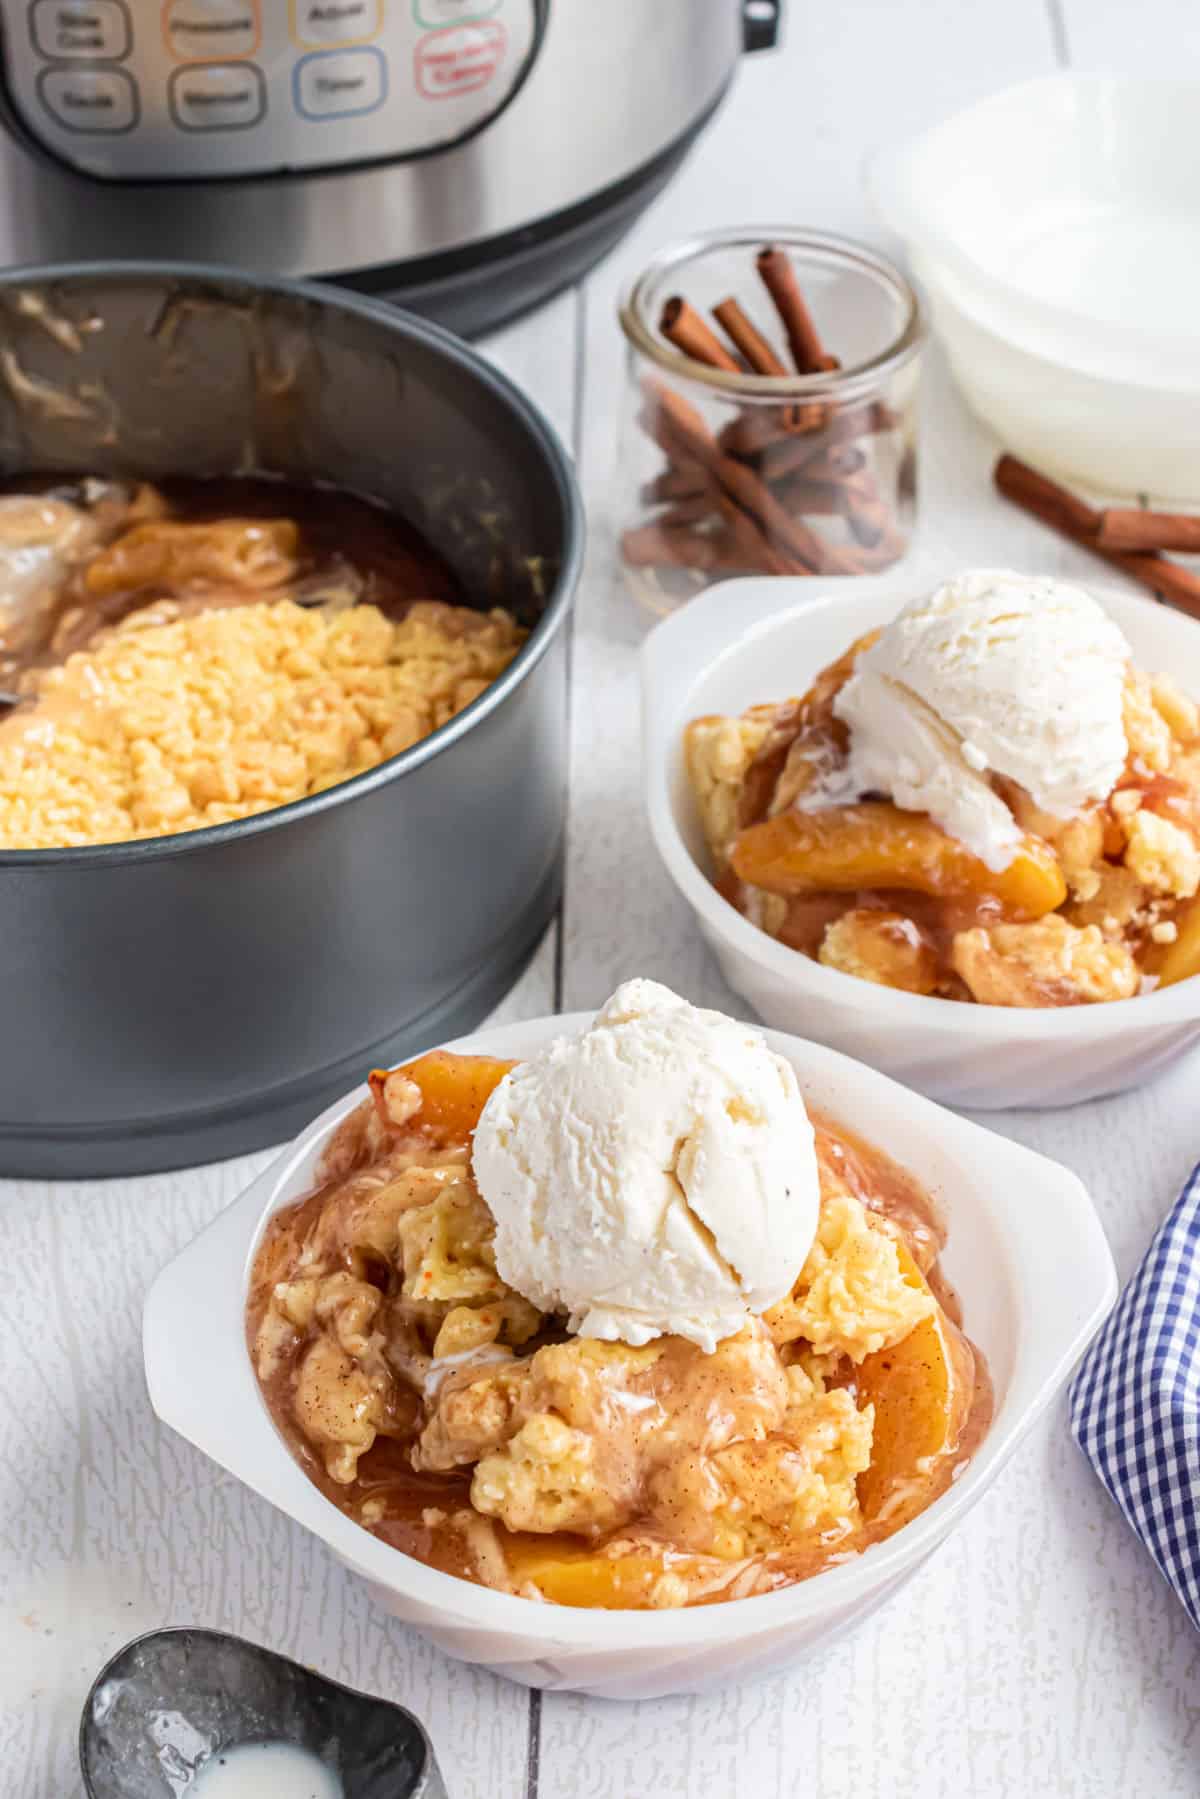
(198, 30)
(90, 100)
(453, 12)
(458, 61)
(317, 22)
(337, 84)
(217, 96)
(81, 29)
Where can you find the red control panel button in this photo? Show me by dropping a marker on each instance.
(460, 60)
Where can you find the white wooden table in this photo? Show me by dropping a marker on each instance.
(1039, 1654)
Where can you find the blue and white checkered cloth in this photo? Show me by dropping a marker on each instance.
(1135, 1403)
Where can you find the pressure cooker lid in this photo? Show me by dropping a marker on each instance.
(195, 89)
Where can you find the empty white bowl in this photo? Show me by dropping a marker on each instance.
(748, 641)
(1054, 228)
(1026, 1253)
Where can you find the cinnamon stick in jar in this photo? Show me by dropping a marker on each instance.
(744, 492)
(804, 340)
(657, 546)
(678, 420)
(678, 481)
(745, 335)
(682, 325)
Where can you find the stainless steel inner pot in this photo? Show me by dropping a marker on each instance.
(191, 997)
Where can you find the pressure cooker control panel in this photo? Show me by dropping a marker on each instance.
(181, 89)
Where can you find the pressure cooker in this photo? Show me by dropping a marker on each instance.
(464, 156)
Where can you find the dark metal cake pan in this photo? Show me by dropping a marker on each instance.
(185, 998)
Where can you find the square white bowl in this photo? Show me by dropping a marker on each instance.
(748, 641)
(1053, 227)
(1026, 1253)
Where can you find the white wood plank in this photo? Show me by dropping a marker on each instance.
(1039, 1652)
(109, 1524)
(1113, 38)
(539, 353)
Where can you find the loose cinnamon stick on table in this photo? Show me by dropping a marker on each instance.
(682, 325)
(1133, 528)
(804, 340)
(1075, 519)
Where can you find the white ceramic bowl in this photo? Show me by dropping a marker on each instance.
(1026, 1253)
(1054, 229)
(749, 640)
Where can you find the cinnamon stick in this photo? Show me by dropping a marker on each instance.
(737, 550)
(677, 425)
(844, 468)
(678, 481)
(653, 546)
(1074, 518)
(804, 340)
(854, 497)
(835, 462)
(682, 325)
(1134, 528)
(820, 499)
(752, 433)
(784, 453)
(744, 334)
(691, 510)
(1046, 500)
(758, 554)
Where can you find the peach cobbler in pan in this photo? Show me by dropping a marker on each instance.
(195, 652)
(619, 1326)
(987, 801)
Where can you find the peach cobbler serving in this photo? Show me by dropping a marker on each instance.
(987, 800)
(198, 651)
(619, 1326)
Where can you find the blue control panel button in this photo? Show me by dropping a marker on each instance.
(340, 84)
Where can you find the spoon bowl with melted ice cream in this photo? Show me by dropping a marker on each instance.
(198, 1714)
(653, 1176)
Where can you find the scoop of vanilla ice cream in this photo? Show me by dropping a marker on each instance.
(1016, 675)
(654, 1176)
(899, 746)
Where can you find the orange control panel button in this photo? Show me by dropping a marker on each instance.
(330, 24)
(211, 30)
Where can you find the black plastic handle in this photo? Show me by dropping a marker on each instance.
(761, 22)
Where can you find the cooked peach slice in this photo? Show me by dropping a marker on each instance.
(453, 1091)
(612, 1583)
(802, 733)
(921, 1389)
(876, 845)
(1182, 959)
(242, 552)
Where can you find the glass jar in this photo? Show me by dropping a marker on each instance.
(726, 470)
